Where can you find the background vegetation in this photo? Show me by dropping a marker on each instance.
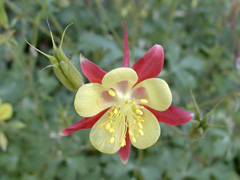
(201, 40)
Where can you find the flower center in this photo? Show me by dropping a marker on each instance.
(129, 112)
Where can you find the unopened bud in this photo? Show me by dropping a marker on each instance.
(65, 71)
(195, 123)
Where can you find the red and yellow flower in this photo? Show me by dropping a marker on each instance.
(124, 106)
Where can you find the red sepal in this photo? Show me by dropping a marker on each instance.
(83, 124)
(150, 65)
(124, 152)
(172, 116)
(93, 72)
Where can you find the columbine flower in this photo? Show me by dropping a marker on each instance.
(124, 106)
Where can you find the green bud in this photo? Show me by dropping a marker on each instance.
(65, 71)
(205, 127)
(194, 126)
(196, 131)
(195, 123)
(200, 132)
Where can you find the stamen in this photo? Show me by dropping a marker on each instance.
(141, 132)
(137, 135)
(111, 93)
(115, 111)
(143, 101)
(112, 139)
(108, 126)
(112, 130)
(123, 142)
(134, 139)
(140, 125)
(139, 112)
(130, 132)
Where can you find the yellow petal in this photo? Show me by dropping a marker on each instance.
(91, 99)
(103, 140)
(149, 134)
(120, 79)
(156, 92)
(5, 111)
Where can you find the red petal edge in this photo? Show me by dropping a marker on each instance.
(83, 124)
(172, 116)
(126, 47)
(92, 71)
(150, 65)
(124, 152)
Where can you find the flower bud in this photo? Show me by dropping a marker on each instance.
(65, 71)
(196, 131)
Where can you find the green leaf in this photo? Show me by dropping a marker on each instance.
(3, 16)
(191, 63)
(173, 53)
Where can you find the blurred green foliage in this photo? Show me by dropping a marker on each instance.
(201, 40)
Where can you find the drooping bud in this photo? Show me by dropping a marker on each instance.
(65, 71)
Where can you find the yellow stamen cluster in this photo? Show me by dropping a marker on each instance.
(132, 115)
(135, 124)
